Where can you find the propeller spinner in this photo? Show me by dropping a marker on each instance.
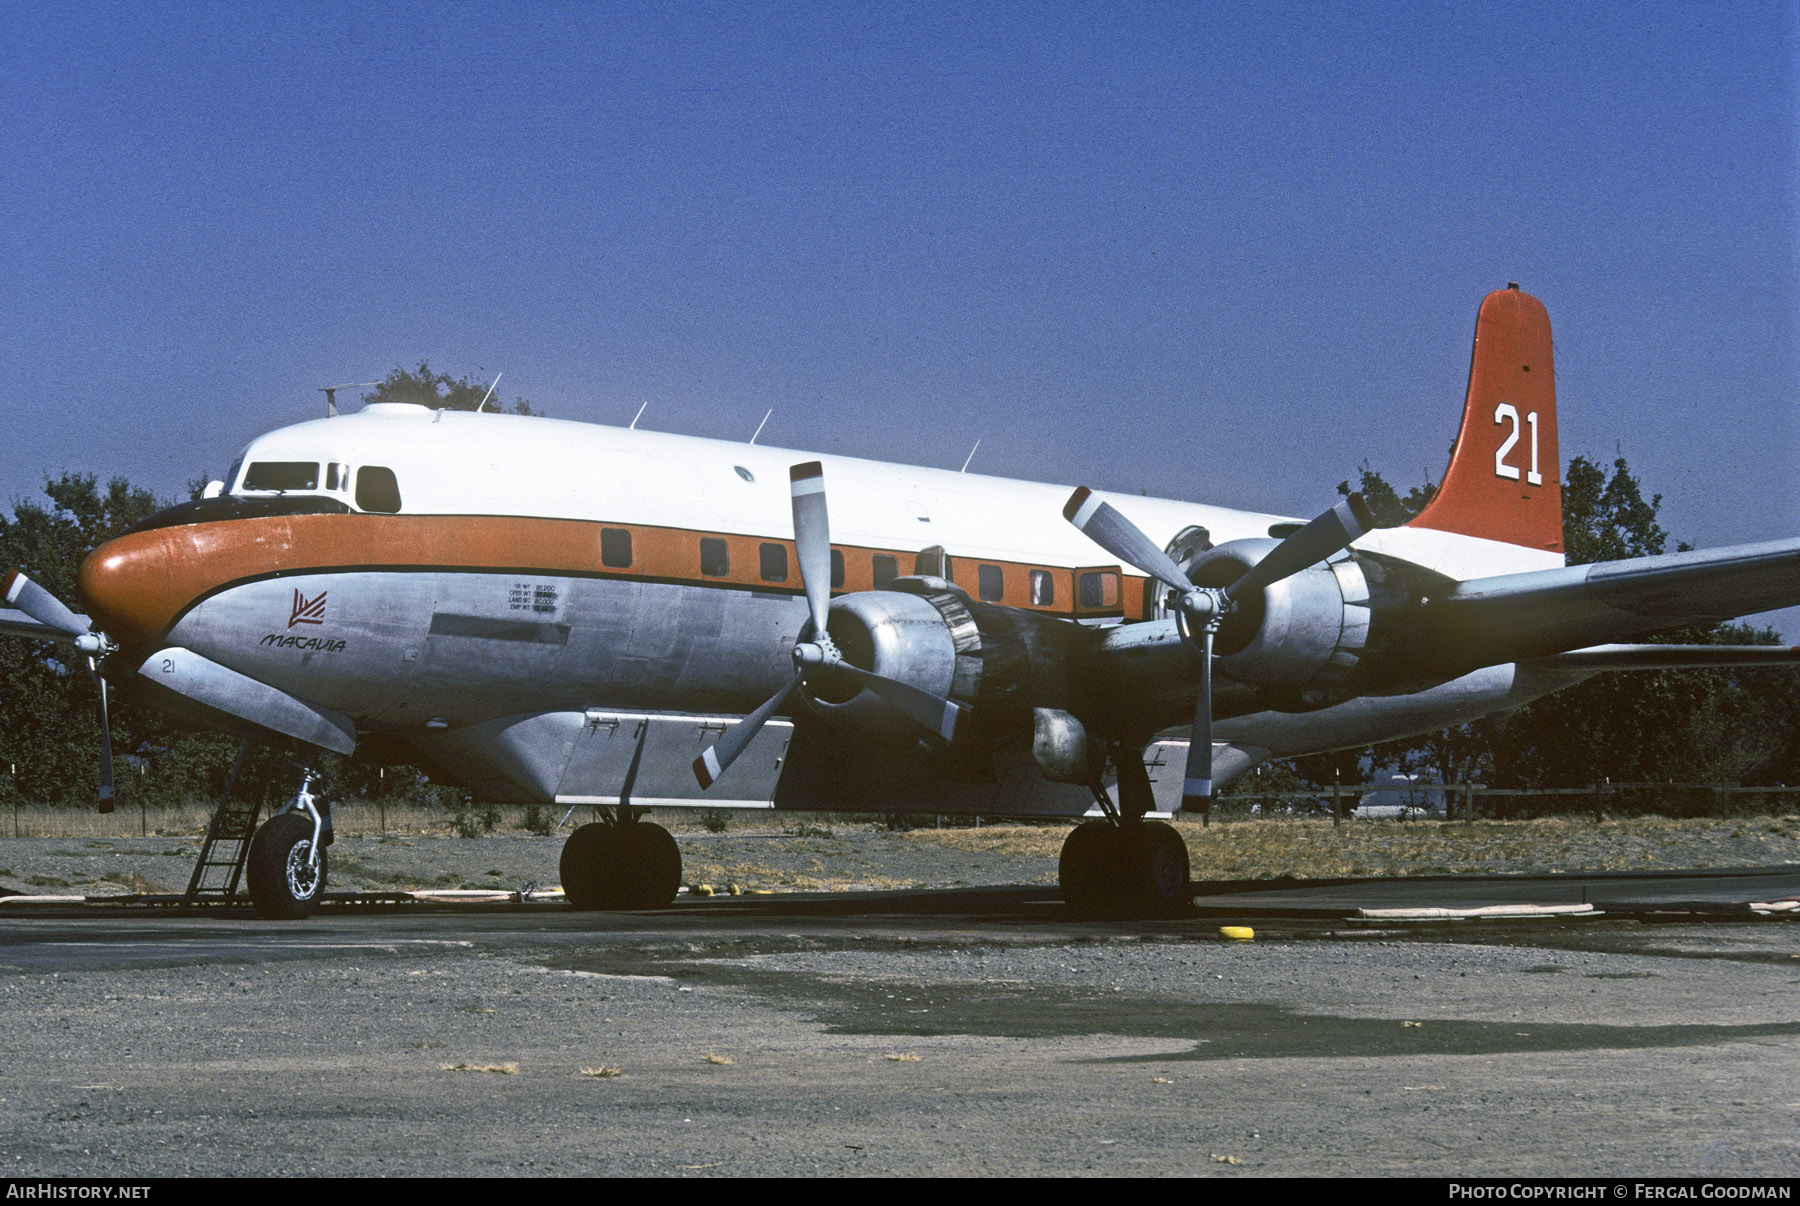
(1202, 608)
(818, 656)
(51, 612)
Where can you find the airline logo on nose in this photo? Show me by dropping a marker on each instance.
(307, 611)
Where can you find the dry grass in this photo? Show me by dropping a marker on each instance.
(1315, 849)
(356, 818)
(508, 1069)
(722, 1060)
(603, 1072)
(1019, 841)
(901, 1057)
(861, 855)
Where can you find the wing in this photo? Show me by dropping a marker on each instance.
(1670, 657)
(1485, 621)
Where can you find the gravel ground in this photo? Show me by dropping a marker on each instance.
(715, 1038)
(776, 861)
(682, 1046)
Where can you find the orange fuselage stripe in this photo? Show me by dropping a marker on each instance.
(139, 584)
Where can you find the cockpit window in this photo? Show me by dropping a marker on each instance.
(377, 490)
(282, 475)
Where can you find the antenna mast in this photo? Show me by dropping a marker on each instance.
(490, 393)
(330, 392)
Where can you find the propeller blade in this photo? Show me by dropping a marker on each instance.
(932, 712)
(41, 605)
(812, 539)
(1326, 536)
(1103, 524)
(1197, 786)
(735, 740)
(106, 765)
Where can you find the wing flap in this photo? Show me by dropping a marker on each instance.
(1669, 657)
(1516, 616)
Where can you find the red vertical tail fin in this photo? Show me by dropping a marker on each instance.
(1505, 481)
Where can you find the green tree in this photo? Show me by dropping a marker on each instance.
(440, 391)
(1391, 509)
(1632, 726)
(1606, 518)
(49, 710)
(1715, 725)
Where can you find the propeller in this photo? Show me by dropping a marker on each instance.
(1202, 608)
(819, 656)
(51, 612)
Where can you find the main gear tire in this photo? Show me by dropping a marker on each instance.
(1087, 870)
(1156, 869)
(588, 863)
(650, 875)
(633, 865)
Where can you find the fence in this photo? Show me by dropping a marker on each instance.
(1477, 801)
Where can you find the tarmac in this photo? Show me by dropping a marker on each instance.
(953, 1032)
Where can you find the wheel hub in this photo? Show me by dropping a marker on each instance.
(302, 876)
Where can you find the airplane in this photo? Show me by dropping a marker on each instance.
(563, 613)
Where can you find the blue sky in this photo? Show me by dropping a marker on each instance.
(1216, 251)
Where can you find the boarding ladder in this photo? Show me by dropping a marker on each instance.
(227, 846)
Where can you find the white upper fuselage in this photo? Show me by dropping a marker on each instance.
(460, 463)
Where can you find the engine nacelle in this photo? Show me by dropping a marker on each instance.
(1314, 638)
(927, 632)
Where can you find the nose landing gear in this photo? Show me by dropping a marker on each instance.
(286, 868)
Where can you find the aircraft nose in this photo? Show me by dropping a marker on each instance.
(125, 586)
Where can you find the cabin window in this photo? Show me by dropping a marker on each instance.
(337, 476)
(376, 490)
(615, 548)
(715, 557)
(282, 475)
(1099, 588)
(990, 583)
(886, 569)
(1043, 588)
(774, 563)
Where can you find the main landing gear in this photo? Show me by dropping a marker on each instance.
(620, 863)
(1125, 866)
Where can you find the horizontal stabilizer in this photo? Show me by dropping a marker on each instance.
(1513, 617)
(205, 681)
(1669, 657)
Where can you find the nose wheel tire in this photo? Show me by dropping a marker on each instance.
(282, 880)
(1138, 869)
(633, 865)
